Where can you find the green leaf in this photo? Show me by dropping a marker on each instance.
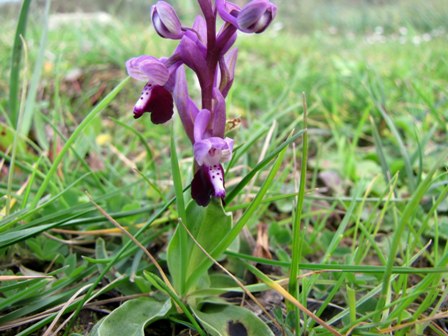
(30, 108)
(16, 58)
(180, 246)
(131, 317)
(208, 225)
(226, 320)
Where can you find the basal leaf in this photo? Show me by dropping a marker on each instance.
(208, 225)
(131, 317)
(227, 320)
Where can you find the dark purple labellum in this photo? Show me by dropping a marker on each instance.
(207, 182)
(201, 187)
(156, 100)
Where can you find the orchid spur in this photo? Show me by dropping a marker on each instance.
(209, 54)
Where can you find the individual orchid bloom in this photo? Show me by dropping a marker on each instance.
(165, 21)
(254, 17)
(155, 97)
(209, 153)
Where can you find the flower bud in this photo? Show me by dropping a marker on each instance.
(256, 16)
(165, 21)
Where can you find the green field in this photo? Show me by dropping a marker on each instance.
(370, 231)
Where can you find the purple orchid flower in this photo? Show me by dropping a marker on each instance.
(210, 56)
(209, 153)
(254, 17)
(156, 97)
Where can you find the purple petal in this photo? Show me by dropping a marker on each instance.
(193, 53)
(165, 21)
(149, 69)
(186, 108)
(226, 38)
(227, 68)
(156, 100)
(219, 114)
(228, 11)
(213, 151)
(256, 16)
(201, 149)
(200, 27)
(201, 124)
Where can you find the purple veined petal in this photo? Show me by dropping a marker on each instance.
(219, 114)
(227, 71)
(221, 150)
(228, 11)
(227, 155)
(165, 21)
(186, 108)
(201, 124)
(201, 149)
(149, 69)
(256, 16)
(200, 27)
(172, 63)
(226, 38)
(193, 54)
(213, 151)
(156, 100)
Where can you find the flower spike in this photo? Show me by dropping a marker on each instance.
(208, 53)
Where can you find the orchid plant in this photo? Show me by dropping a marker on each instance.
(209, 53)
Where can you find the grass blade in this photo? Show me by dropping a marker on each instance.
(235, 191)
(15, 63)
(29, 108)
(408, 212)
(296, 238)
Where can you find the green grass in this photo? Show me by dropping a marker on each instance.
(373, 221)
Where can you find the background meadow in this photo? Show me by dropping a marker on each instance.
(372, 247)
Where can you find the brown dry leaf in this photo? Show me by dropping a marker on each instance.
(261, 249)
